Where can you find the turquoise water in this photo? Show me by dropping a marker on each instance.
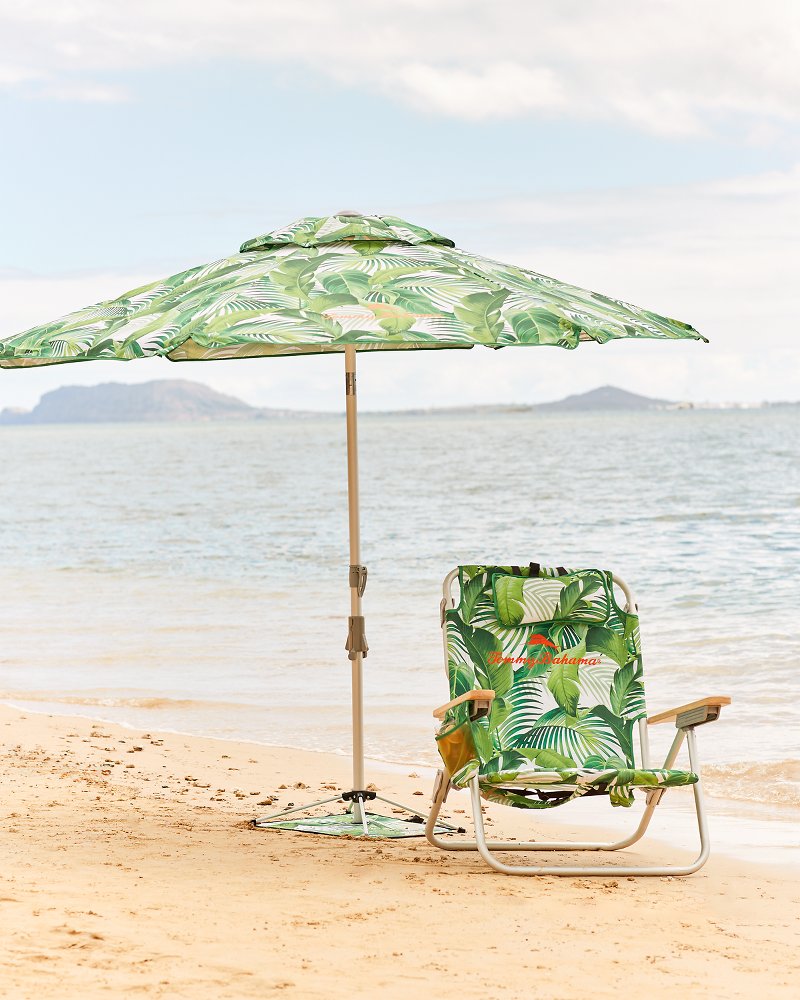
(195, 577)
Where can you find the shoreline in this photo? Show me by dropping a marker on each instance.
(769, 828)
(131, 865)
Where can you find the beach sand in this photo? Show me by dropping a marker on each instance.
(129, 866)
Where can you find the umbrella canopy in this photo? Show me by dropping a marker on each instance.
(321, 284)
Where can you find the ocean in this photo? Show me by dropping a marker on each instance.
(194, 577)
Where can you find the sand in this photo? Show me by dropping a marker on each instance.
(129, 867)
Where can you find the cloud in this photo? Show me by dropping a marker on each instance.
(772, 183)
(672, 68)
(504, 90)
(12, 74)
(88, 93)
(720, 255)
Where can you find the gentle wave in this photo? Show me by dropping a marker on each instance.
(773, 783)
(53, 697)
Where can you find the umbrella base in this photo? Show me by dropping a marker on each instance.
(355, 822)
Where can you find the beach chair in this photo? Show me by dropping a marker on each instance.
(547, 689)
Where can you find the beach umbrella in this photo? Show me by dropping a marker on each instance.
(340, 284)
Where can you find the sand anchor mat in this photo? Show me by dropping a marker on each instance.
(346, 825)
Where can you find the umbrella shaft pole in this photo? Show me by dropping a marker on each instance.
(351, 410)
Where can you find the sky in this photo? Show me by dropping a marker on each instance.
(646, 149)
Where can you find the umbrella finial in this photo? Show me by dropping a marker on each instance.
(349, 213)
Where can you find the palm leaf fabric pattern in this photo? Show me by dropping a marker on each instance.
(322, 283)
(565, 663)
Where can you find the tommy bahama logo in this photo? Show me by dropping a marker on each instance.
(545, 657)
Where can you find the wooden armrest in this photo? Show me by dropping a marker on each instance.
(478, 696)
(695, 713)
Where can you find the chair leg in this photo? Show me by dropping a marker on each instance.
(441, 788)
(605, 871)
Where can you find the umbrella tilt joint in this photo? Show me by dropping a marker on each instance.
(358, 579)
(356, 631)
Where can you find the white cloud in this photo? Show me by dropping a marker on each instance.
(90, 93)
(12, 75)
(722, 256)
(504, 89)
(773, 182)
(675, 67)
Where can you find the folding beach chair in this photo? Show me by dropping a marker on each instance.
(546, 682)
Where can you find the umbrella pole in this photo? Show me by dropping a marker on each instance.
(356, 639)
(357, 649)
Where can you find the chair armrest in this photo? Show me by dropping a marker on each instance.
(482, 700)
(693, 714)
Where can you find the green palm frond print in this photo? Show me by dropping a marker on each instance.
(565, 663)
(322, 283)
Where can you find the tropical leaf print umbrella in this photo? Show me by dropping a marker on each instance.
(321, 284)
(343, 283)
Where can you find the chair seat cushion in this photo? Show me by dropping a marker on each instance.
(537, 777)
(511, 785)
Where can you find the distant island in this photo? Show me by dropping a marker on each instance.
(160, 401)
(609, 397)
(178, 400)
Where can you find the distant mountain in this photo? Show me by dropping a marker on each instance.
(162, 400)
(608, 397)
(171, 400)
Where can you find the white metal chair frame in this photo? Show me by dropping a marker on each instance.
(687, 718)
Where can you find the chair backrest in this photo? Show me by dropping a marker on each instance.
(562, 656)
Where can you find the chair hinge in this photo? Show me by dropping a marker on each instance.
(442, 777)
